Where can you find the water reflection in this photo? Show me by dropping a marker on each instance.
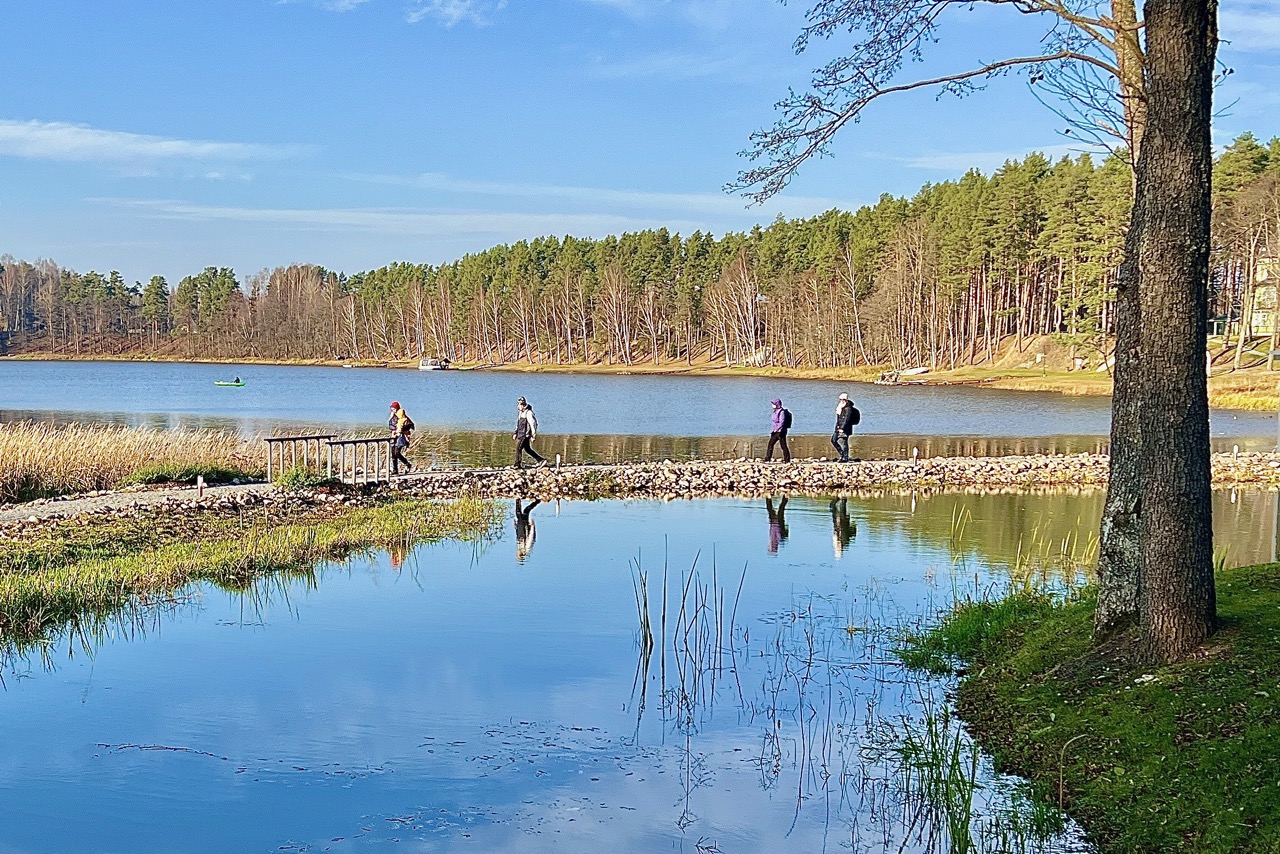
(450, 401)
(449, 448)
(778, 531)
(475, 703)
(843, 530)
(526, 528)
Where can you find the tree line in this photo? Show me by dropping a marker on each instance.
(941, 279)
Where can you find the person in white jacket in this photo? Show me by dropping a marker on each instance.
(526, 432)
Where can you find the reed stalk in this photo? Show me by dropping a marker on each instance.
(39, 460)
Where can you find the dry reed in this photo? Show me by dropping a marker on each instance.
(38, 460)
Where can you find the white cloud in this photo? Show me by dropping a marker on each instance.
(668, 66)
(989, 161)
(396, 220)
(720, 204)
(453, 12)
(61, 141)
(1251, 26)
(708, 14)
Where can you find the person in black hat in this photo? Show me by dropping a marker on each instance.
(847, 416)
(526, 432)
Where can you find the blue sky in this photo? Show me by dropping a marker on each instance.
(152, 137)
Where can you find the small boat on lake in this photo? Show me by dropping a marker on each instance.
(236, 383)
(434, 365)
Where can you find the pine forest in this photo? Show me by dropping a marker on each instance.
(943, 279)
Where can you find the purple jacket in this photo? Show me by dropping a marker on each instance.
(777, 416)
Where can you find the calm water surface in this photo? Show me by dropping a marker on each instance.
(498, 697)
(567, 404)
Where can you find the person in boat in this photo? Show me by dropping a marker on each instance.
(780, 424)
(236, 381)
(526, 432)
(847, 416)
(401, 427)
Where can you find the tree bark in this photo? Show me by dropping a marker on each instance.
(1120, 548)
(1173, 198)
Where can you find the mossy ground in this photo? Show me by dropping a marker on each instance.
(1180, 757)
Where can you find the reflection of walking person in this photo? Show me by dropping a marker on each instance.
(778, 428)
(847, 415)
(401, 427)
(526, 432)
(843, 531)
(777, 523)
(526, 531)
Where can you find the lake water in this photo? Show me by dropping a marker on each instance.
(586, 417)
(498, 697)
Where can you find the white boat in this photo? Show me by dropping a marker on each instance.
(434, 365)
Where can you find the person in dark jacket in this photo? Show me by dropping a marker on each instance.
(401, 427)
(780, 424)
(846, 417)
(526, 432)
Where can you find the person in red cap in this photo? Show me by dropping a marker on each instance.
(401, 427)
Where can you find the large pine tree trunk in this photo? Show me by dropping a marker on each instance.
(1174, 172)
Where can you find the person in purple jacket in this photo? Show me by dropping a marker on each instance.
(779, 426)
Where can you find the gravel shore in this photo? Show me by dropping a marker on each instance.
(665, 480)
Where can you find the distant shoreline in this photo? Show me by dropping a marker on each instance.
(1249, 390)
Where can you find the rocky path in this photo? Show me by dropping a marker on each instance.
(97, 502)
(684, 479)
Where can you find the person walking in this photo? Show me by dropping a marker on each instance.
(779, 426)
(526, 432)
(401, 427)
(847, 416)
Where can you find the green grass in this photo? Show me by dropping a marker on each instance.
(971, 631)
(46, 583)
(302, 477)
(179, 473)
(1181, 757)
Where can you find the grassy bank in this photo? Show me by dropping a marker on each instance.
(41, 460)
(73, 571)
(1184, 757)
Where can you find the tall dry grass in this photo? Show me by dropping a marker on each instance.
(40, 460)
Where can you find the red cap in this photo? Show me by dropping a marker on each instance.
(395, 404)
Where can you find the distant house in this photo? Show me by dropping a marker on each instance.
(1265, 304)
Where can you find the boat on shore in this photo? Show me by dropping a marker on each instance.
(434, 365)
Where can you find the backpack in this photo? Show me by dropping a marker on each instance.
(786, 419)
(855, 417)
